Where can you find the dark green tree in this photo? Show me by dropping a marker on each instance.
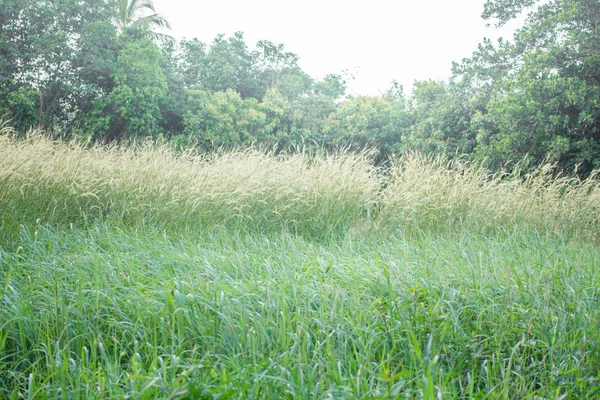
(41, 80)
(442, 120)
(225, 64)
(542, 92)
(132, 106)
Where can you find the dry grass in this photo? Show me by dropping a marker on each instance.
(149, 184)
(435, 192)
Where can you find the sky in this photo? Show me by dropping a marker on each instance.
(375, 41)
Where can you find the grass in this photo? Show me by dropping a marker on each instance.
(434, 193)
(150, 185)
(321, 197)
(139, 273)
(104, 313)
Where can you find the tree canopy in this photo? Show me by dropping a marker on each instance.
(102, 70)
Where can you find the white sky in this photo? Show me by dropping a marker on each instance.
(376, 40)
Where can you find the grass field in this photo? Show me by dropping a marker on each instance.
(141, 273)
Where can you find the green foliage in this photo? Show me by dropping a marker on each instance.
(548, 119)
(98, 71)
(225, 64)
(132, 106)
(369, 122)
(222, 119)
(40, 44)
(279, 69)
(22, 106)
(332, 85)
(542, 90)
(134, 13)
(442, 120)
(229, 64)
(174, 104)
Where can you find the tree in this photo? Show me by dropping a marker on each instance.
(41, 41)
(332, 86)
(222, 120)
(226, 64)
(134, 13)
(540, 95)
(442, 120)
(132, 106)
(278, 68)
(377, 123)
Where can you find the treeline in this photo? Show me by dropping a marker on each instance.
(97, 69)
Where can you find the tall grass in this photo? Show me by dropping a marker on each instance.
(105, 313)
(150, 185)
(436, 193)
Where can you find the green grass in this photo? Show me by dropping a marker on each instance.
(105, 313)
(139, 273)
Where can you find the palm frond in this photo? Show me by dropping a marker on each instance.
(147, 4)
(155, 21)
(131, 13)
(161, 37)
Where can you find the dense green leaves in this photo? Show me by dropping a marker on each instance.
(546, 103)
(132, 107)
(40, 44)
(101, 70)
(223, 119)
(225, 64)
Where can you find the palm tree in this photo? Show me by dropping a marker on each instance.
(135, 13)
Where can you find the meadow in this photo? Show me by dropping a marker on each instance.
(141, 272)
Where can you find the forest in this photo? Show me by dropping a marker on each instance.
(99, 70)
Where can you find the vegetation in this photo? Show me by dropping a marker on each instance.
(320, 196)
(184, 220)
(141, 272)
(104, 72)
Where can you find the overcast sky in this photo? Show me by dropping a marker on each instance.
(377, 40)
